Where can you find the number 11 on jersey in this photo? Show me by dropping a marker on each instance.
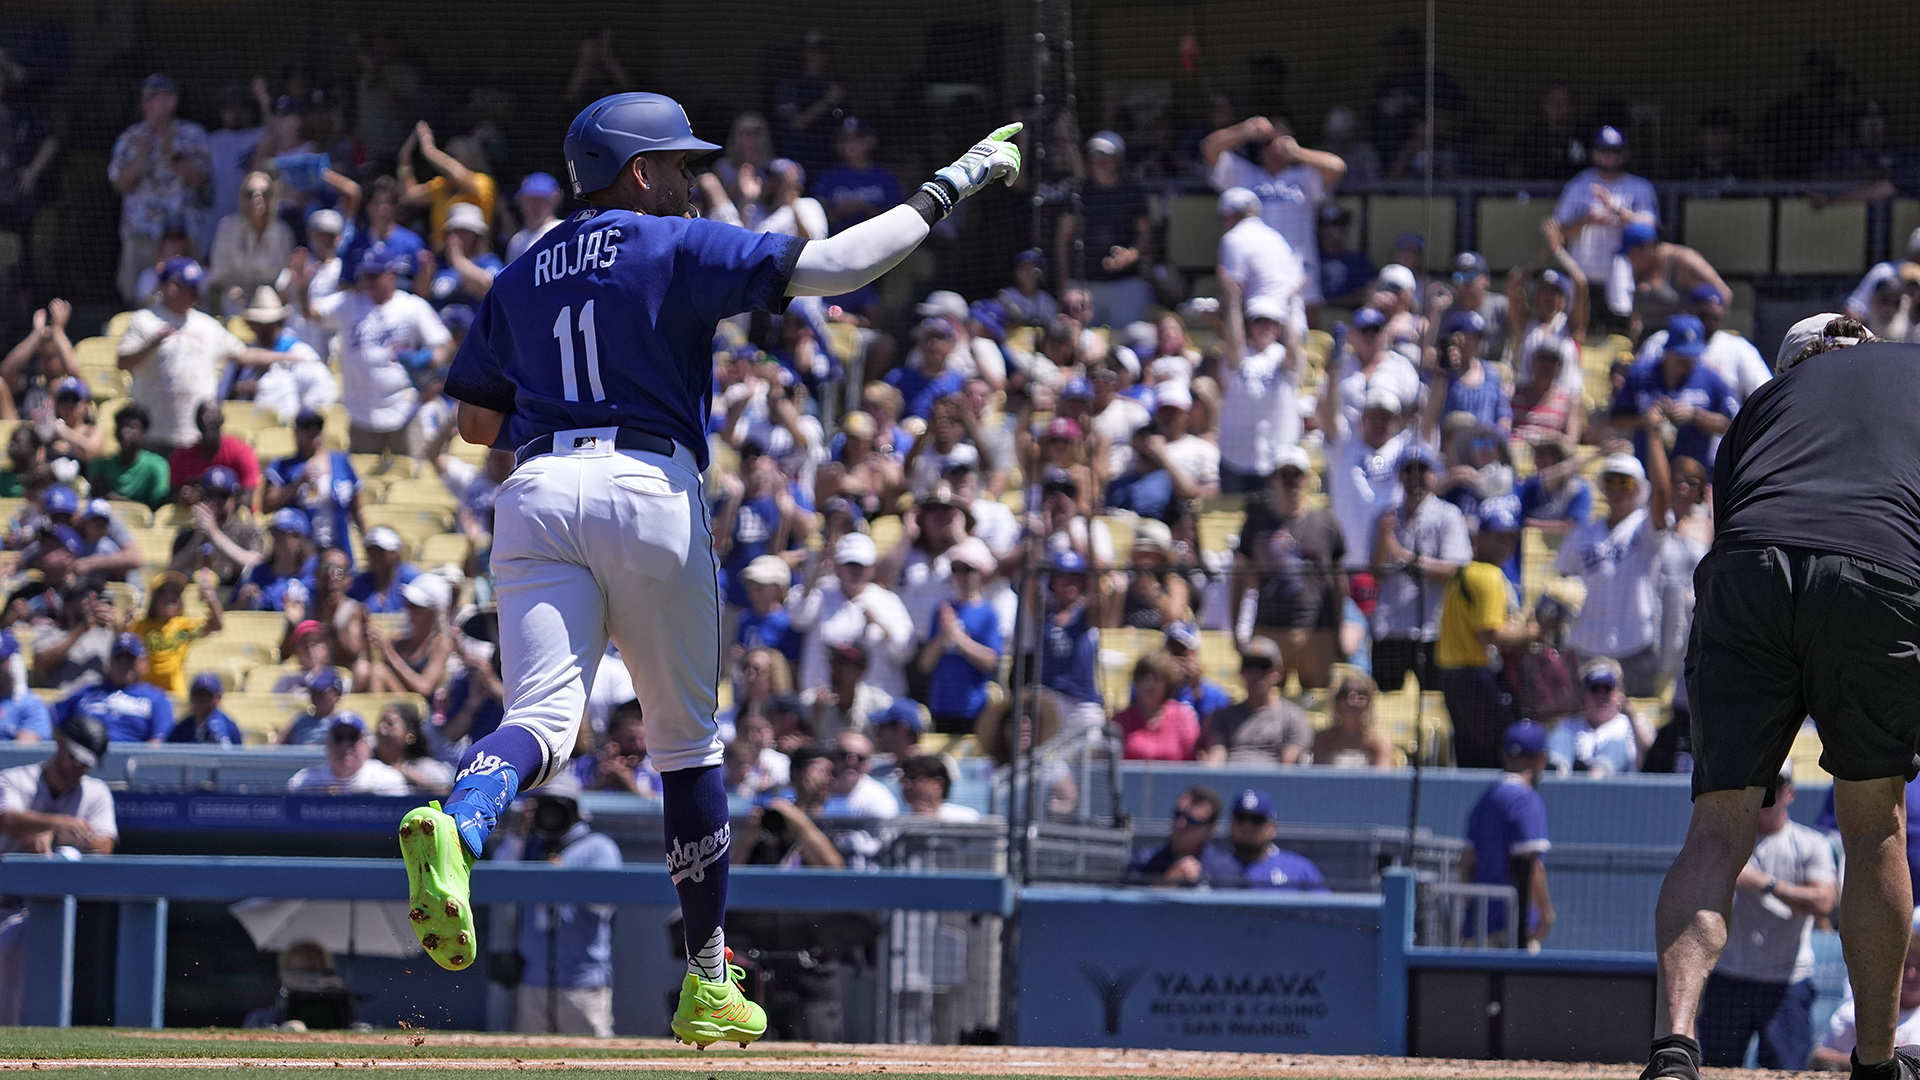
(563, 333)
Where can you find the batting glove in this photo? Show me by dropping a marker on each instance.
(992, 158)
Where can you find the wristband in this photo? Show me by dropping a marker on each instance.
(934, 200)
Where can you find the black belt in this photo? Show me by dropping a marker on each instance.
(623, 439)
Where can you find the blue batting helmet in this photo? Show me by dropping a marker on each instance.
(608, 133)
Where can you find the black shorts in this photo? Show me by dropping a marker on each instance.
(1780, 634)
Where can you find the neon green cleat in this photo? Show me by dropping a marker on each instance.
(438, 866)
(713, 1012)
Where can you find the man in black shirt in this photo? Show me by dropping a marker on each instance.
(1116, 233)
(1808, 604)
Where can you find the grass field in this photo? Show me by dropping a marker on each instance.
(128, 1054)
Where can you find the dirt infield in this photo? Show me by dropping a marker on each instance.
(125, 1051)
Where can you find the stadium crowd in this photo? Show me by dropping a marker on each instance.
(1305, 475)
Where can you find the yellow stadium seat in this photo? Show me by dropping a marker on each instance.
(261, 678)
(427, 492)
(135, 515)
(217, 647)
(117, 326)
(1219, 526)
(1733, 234)
(444, 548)
(1906, 218)
(1120, 527)
(886, 532)
(261, 716)
(274, 443)
(1828, 240)
(413, 523)
(155, 542)
(265, 627)
(1390, 215)
(467, 452)
(1510, 229)
(243, 418)
(1193, 231)
(369, 706)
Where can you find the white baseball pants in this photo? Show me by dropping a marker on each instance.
(589, 543)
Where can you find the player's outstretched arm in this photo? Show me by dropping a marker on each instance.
(849, 260)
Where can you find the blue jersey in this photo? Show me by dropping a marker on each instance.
(137, 712)
(220, 730)
(1212, 696)
(607, 321)
(1070, 658)
(1647, 383)
(956, 687)
(28, 714)
(774, 630)
(1509, 822)
(1279, 868)
(329, 510)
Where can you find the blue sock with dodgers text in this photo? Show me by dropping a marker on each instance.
(491, 773)
(699, 835)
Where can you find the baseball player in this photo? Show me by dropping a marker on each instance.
(590, 359)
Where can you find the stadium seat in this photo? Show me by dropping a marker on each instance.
(427, 492)
(261, 678)
(272, 443)
(1193, 231)
(1390, 215)
(1120, 528)
(444, 548)
(1830, 240)
(1733, 234)
(1509, 230)
(1906, 218)
(413, 523)
(117, 326)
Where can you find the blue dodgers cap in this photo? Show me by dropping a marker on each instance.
(903, 711)
(1031, 257)
(1465, 322)
(9, 645)
(1184, 634)
(1525, 739)
(1067, 562)
(346, 720)
(1638, 234)
(1468, 265)
(1417, 454)
(74, 385)
(129, 645)
(541, 185)
(60, 499)
(220, 479)
(289, 520)
(162, 83)
(1253, 803)
(1368, 318)
(1686, 335)
(1609, 138)
(183, 270)
(378, 259)
(1559, 281)
(1077, 389)
(1499, 516)
(63, 535)
(323, 680)
(1705, 293)
(206, 683)
(97, 508)
(992, 317)
(309, 417)
(612, 131)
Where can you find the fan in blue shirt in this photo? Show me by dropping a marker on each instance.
(1689, 394)
(24, 715)
(131, 710)
(962, 653)
(331, 501)
(1188, 857)
(205, 723)
(1262, 863)
(930, 380)
(1507, 831)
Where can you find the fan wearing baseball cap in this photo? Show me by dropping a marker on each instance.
(220, 539)
(378, 586)
(127, 707)
(1260, 375)
(1264, 864)
(1666, 277)
(350, 768)
(1507, 841)
(1479, 620)
(1598, 204)
(205, 722)
(176, 354)
(44, 807)
(962, 651)
(1678, 389)
(1727, 354)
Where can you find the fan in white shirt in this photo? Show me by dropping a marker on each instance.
(1260, 376)
(1363, 467)
(1195, 456)
(351, 768)
(1259, 258)
(1617, 558)
(850, 607)
(1290, 180)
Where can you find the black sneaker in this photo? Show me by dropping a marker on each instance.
(1904, 1066)
(1675, 1056)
